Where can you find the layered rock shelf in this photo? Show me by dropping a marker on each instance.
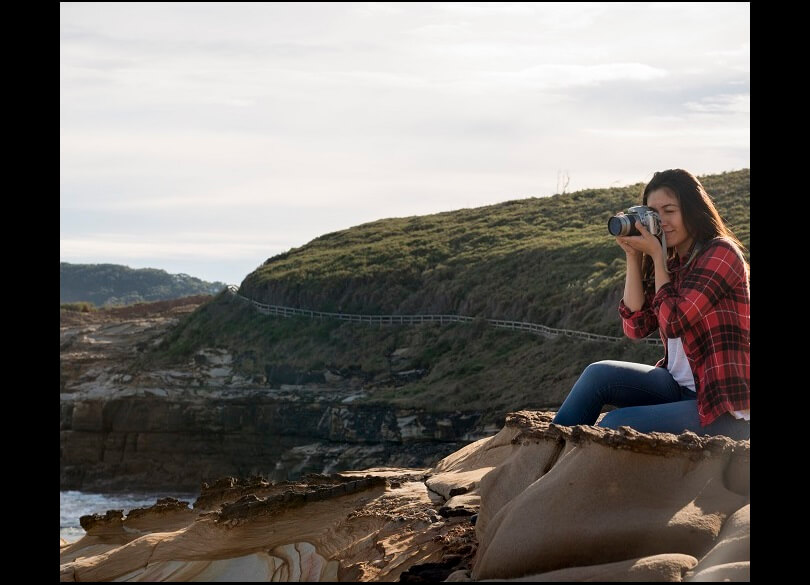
(536, 502)
(171, 429)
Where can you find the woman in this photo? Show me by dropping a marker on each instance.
(698, 298)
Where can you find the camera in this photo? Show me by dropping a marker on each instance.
(624, 224)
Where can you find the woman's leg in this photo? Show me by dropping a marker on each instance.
(675, 417)
(620, 384)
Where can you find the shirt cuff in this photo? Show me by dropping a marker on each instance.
(625, 312)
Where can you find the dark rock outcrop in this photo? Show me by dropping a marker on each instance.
(175, 428)
(147, 440)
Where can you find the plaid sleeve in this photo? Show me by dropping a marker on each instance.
(716, 272)
(638, 324)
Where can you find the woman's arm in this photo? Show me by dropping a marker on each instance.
(637, 321)
(633, 290)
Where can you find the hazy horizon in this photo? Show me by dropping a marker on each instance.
(180, 271)
(203, 138)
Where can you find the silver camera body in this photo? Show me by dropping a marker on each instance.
(624, 224)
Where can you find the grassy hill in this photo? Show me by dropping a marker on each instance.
(544, 260)
(114, 284)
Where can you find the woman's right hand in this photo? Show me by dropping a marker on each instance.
(632, 253)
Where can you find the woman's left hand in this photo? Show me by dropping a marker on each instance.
(646, 242)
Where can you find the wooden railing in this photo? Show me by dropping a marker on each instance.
(420, 319)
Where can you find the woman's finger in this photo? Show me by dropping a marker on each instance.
(641, 228)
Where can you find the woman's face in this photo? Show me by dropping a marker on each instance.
(668, 208)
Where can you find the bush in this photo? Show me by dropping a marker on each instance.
(80, 307)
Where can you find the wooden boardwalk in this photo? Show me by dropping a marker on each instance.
(381, 320)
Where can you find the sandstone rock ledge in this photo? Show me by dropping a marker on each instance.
(553, 503)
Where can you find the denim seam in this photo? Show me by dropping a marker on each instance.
(644, 390)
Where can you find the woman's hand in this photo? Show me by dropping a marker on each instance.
(646, 243)
(632, 253)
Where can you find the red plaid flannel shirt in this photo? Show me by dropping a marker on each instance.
(707, 305)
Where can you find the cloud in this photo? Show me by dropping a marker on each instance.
(441, 31)
(679, 132)
(738, 103)
(188, 245)
(565, 14)
(555, 76)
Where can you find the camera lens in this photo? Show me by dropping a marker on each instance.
(623, 225)
(616, 225)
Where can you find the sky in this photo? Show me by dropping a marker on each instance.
(204, 137)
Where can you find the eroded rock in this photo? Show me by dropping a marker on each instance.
(579, 496)
(553, 503)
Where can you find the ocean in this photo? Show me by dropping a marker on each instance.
(73, 505)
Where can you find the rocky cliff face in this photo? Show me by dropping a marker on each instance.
(123, 429)
(152, 438)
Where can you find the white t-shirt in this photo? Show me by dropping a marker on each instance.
(678, 366)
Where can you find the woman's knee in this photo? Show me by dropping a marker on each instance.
(599, 373)
(613, 420)
(596, 368)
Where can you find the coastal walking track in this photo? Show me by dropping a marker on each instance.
(381, 320)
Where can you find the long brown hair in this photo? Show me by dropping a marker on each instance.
(700, 217)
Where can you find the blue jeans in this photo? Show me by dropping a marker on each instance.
(648, 399)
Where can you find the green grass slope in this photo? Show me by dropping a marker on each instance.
(545, 260)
